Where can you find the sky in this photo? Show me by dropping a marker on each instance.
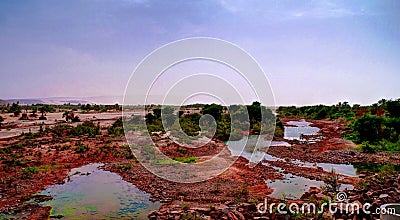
(312, 52)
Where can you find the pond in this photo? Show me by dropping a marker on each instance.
(344, 169)
(98, 194)
(293, 186)
(250, 143)
(300, 127)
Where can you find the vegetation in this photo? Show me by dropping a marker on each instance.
(81, 148)
(86, 128)
(186, 159)
(375, 127)
(227, 122)
(70, 116)
(116, 129)
(26, 172)
(331, 182)
(15, 108)
(1, 120)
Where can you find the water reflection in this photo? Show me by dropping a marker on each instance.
(95, 193)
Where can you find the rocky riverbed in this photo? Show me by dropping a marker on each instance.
(30, 164)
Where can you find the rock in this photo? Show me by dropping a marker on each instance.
(357, 207)
(390, 182)
(239, 215)
(232, 216)
(362, 175)
(319, 196)
(383, 196)
(305, 196)
(314, 190)
(200, 209)
(41, 198)
(214, 214)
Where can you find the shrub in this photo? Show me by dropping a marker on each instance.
(331, 182)
(86, 128)
(61, 130)
(367, 148)
(186, 159)
(116, 129)
(26, 172)
(81, 148)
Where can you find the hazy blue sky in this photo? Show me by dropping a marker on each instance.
(312, 51)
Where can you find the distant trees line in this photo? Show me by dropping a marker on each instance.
(228, 121)
(383, 107)
(17, 109)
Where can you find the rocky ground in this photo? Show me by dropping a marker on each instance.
(232, 195)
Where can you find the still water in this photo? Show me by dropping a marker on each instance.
(98, 194)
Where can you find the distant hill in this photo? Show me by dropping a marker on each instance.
(3, 102)
(105, 100)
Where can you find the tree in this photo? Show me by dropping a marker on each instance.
(213, 110)
(322, 114)
(393, 107)
(369, 128)
(69, 115)
(43, 112)
(1, 120)
(149, 118)
(157, 113)
(254, 112)
(15, 108)
(34, 111)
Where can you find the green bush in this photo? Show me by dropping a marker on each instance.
(81, 148)
(186, 159)
(116, 129)
(367, 148)
(26, 172)
(86, 128)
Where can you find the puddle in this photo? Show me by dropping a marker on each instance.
(97, 194)
(301, 127)
(292, 186)
(236, 146)
(344, 169)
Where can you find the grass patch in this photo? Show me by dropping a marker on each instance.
(26, 172)
(81, 148)
(186, 159)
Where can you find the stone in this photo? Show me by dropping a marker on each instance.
(319, 196)
(232, 216)
(239, 215)
(314, 190)
(383, 196)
